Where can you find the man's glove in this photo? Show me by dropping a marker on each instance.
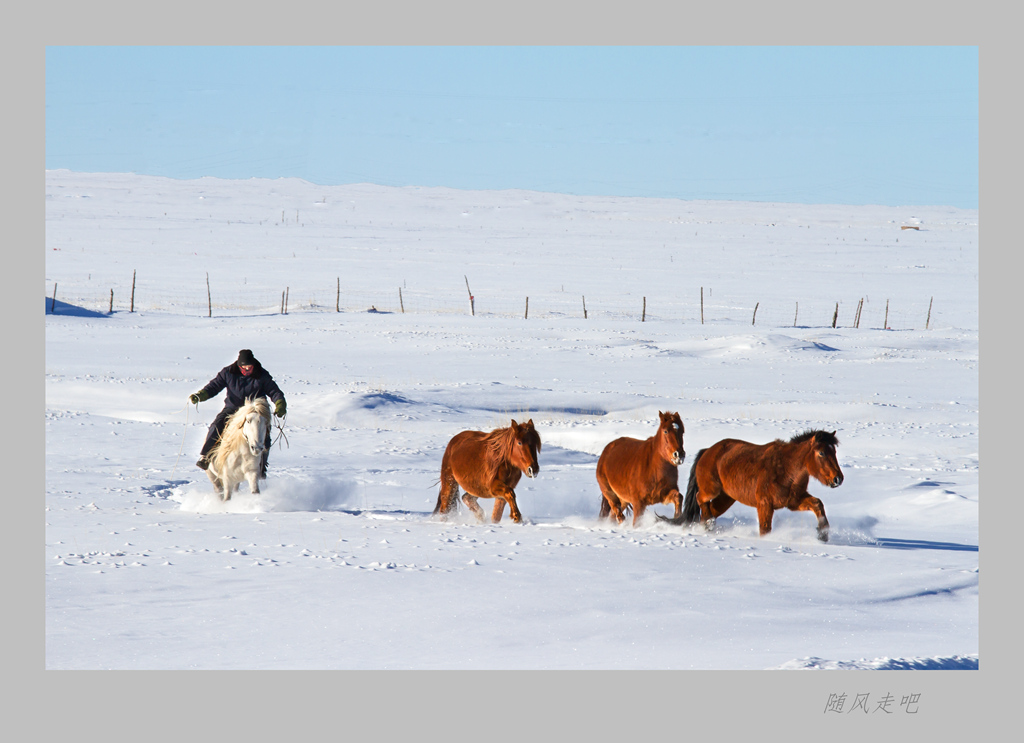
(280, 408)
(197, 397)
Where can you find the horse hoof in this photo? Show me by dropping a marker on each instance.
(823, 535)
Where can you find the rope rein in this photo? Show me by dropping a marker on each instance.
(279, 424)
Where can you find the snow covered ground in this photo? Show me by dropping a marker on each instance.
(338, 563)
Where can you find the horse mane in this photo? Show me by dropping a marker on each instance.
(499, 442)
(822, 438)
(231, 437)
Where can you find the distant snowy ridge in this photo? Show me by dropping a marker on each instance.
(947, 663)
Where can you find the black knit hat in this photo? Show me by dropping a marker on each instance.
(245, 357)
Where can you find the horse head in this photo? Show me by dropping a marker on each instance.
(525, 445)
(254, 427)
(824, 463)
(670, 437)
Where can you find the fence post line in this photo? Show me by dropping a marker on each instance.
(526, 315)
(209, 300)
(754, 320)
(400, 302)
(835, 315)
(282, 302)
(111, 310)
(643, 317)
(584, 307)
(132, 309)
(885, 326)
(929, 320)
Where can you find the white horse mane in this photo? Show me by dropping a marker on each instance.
(231, 460)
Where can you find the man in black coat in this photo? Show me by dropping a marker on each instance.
(245, 378)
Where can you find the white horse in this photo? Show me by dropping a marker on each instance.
(239, 450)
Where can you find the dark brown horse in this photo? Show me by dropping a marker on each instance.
(638, 474)
(488, 465)
(767, 477)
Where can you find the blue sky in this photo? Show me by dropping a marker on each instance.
(855, 125)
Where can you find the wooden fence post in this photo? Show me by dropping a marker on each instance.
(209, 300)
(337, 299)
(702, 305)
(472, 305)
(795, 313)
(754, 320)
(111, 310)
(584, 307)
(886, 324)
(526, 315)
(53, 302)
(643, 317)
(132, 308)
(400, 302)
(287, 290)
(835, 315)
(282, 303)
(929, 320)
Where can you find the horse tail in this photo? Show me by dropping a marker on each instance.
(691, 509)
(448, 495)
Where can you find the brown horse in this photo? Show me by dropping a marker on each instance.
(767, 477)
(638, 474)
(488, 465)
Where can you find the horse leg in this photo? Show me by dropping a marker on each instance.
(504, 494)
(810, 503)
(709, 496)
(218, 486)
(719, 505)
(708, 510)
(676, 499)
(610, 504)
(448, 496)
(765, 514)
(498, 510)
(448, 500)
(472, 505)
(638, 511)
